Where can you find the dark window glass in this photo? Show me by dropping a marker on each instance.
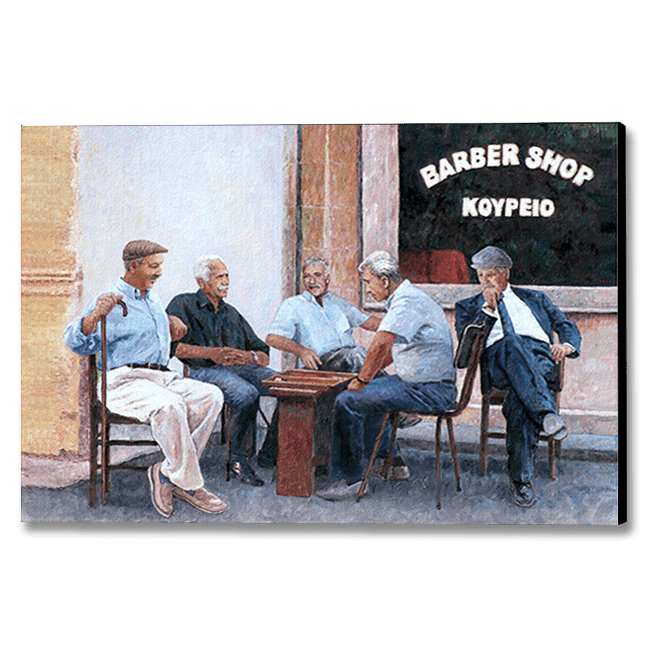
(466, 186)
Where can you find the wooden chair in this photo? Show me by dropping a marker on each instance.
(101, 417)
(467, 356)
(496, 397)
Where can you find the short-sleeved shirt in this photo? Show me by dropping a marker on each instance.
(141, 337)
(321, 329)
(423, 350)
(223, 328)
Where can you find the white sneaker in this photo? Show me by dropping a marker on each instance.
(341, 490)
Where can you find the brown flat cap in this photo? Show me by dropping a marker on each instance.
(141, 248)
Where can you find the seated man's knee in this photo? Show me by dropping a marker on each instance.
(211, 396)
(174, 407)
(244, 396)
(350, 401)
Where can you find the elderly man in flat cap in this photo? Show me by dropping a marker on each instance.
(182, 412)
(519, 356)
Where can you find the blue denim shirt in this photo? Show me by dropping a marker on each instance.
(142, 336)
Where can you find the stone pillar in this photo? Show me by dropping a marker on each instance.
(330, 202)
(50, 291)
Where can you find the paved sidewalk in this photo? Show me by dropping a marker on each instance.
(585, 492)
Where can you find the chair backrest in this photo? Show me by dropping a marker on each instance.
(467, 356)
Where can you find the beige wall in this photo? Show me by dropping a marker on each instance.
(50, 290)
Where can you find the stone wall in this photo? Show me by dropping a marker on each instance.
(330, 202)
(50, 291)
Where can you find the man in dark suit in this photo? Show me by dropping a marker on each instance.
(519, 356)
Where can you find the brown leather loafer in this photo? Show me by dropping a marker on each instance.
(161, 493)
(201, 500)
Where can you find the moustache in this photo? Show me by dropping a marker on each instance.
(224, 287)
(154, 277)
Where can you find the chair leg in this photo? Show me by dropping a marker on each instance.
(375, 451)
(225, 437)
(454, 455)
(108, 459)
(438, 427)
(223, 424)
(483, 440)
(105, 462)
(551, 458)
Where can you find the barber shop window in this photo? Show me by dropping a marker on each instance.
(546, 193)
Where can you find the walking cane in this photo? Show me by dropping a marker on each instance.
(104, 431)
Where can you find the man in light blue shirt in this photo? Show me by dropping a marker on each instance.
(317, 326)
(415, 335)
(182, 412)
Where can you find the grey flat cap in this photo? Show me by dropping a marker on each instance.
(489, 257)
(141, 248)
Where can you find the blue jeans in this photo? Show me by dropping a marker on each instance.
(242, 387)
(358, 416)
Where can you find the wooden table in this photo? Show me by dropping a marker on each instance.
(305, 410)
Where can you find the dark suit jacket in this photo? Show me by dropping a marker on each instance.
(547, 314)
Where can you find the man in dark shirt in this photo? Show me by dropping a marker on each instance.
(221, 348)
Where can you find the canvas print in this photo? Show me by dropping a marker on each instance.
(323, 324)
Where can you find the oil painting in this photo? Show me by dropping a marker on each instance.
(323, 324)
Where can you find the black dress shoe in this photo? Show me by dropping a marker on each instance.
(244, 473)
(523, 493)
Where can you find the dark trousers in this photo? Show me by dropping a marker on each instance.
(242, 388)
(525, 367)
(358, 416)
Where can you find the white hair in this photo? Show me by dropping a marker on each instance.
(317, 259)
(383, 265)
(202, 268)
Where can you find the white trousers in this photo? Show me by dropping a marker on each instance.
(182, 414)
